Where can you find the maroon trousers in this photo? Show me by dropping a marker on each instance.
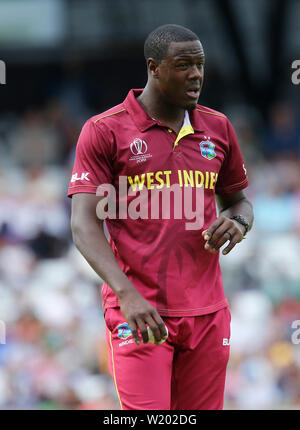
(187, 372)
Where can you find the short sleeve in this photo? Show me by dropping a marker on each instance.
(233, 175)
(93, 161)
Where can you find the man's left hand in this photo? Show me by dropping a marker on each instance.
(220, 231)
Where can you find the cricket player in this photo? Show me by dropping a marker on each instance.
(157, 272)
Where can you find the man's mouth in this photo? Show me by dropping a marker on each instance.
(193, 93)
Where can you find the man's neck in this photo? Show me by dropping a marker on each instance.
(157, 109)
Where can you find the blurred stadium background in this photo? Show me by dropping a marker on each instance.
(70, 59)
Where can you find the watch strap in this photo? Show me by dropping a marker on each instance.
(242, 221)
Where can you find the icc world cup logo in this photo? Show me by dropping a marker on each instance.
(138, 147)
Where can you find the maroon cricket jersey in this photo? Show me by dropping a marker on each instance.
(165, 261)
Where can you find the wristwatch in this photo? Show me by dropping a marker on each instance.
(242, 221)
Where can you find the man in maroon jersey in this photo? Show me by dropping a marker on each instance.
(156, 271)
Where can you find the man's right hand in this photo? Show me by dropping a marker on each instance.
(138, 312)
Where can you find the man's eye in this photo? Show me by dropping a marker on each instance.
(182, 65)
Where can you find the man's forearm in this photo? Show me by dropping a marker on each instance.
(90, 240)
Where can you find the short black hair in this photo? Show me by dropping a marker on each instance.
(157, 43)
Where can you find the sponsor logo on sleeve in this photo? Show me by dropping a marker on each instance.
(80, 177)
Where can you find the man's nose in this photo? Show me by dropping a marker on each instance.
(195, 72)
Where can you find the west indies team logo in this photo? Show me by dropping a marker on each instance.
(124, 331)
(207, 148)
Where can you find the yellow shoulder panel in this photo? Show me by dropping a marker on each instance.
(211, 113)
(110, 114)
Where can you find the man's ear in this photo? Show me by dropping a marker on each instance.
(153, 68)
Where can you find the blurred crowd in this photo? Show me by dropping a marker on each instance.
(55, 355)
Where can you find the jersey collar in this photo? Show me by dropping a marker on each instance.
(185, 129)
(143, 121)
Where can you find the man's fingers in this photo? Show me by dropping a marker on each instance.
(138, 326)
(155, 329)
(231, 245)
(220, 231)
(161, 325)
(219, 237)
(143, 329)
(207, 234)
(226, 235)
(159, 330)
(134, 331)
(158, 327)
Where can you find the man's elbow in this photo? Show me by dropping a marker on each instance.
(84, 230)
